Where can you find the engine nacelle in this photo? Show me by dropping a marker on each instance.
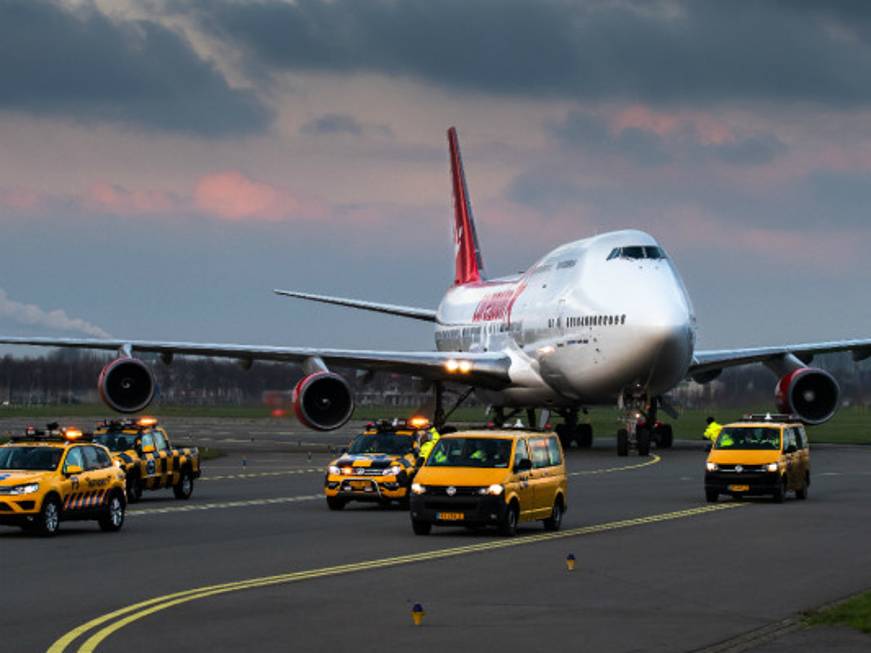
(126, 385)
(809, 393)
(323, 401)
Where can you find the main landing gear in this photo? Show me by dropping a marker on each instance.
(570, 431)
(642, 428)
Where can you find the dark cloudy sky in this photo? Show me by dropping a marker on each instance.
(165, 164)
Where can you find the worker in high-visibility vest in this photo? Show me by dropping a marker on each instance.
(427, 446)
(712, 432)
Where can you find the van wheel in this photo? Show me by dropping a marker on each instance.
(780, 492)
(643, 436)
(622, 442)
(801, 493)
(508, 525)
(421, 527)
(711, 496)
(112, 518)
(335, 503)
(48, 519)
(555, 521)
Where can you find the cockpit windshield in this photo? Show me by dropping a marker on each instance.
(637, 252)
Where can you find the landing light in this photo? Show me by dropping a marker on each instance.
(454, 366)
(465, 367)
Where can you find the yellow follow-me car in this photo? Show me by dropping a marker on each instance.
(760, 455)
(500, 478)
(142, 448)
(58, 475)
(378, 465)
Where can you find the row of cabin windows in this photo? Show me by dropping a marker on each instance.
(588, 320)
(636, 252)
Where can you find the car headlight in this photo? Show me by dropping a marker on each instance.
(393, 470)
(30, 488)
(772, 467)
(494, 490)
(417, 488)
(712, 467)
(334, 470)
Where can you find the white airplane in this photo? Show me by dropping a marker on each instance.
(600, 321)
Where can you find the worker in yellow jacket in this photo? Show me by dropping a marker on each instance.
(712, 432)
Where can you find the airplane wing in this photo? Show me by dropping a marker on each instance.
(425, 314)
(705, 362)
(489, 370)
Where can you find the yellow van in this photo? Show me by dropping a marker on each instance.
(496, 478)
(760, 455)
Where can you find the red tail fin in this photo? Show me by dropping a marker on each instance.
(466, 250)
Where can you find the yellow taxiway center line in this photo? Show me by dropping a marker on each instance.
(137, 611)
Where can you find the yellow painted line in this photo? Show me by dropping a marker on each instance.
(132, 613)
(192, 507)
(247, 475)
(607, 470)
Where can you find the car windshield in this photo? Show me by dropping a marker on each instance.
(752, 437)
(470, 452)
(389, 443)
(41, 459)
(117, 441)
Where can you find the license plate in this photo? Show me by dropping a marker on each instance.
(360, 485)
(450, 516)
(739, 488)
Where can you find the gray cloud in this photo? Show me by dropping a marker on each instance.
(694, 51)
(342, 123)
(590, 133)
(78, 63)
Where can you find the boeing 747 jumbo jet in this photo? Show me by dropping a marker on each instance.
(600, 321)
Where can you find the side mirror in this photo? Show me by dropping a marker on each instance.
(420, 461)
(148, 448)
(72, 470)
(791, 449)
(343, 450)
(708, 447)
(523, 465)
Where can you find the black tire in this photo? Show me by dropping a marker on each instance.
(643, 437)
(666, 436)
(780, 492)
(801, 493)
(622, 442)
(134, 488)
(48, 520)
(113, 515)
(555, 521)
(584, 436)
(336, 503)
(421, 527)
(712, 496)
(185, 486)
(508, 525)
(564, 435)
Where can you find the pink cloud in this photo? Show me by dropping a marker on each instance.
(233, 196)
(21, 199)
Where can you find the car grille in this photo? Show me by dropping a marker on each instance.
(744, 469)
(440, 491)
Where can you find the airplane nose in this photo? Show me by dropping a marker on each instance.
(669, 344)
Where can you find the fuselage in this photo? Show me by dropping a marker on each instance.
(590, 321)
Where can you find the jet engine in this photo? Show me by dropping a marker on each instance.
(811, 394)
(323, 401)
(126, 385)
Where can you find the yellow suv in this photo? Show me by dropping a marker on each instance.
(55, 475)
(760, 455)
(378, 465)
(499, 478)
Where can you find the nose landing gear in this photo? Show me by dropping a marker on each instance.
(641, 427)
